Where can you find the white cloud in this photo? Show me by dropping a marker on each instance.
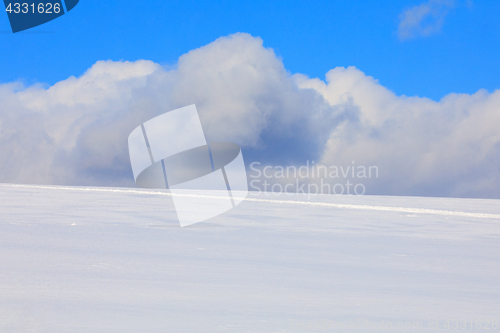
(75, 132)
(423, 20)
(422, 147)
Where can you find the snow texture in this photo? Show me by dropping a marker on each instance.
(76, 259)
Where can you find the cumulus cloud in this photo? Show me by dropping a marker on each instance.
(75, 132)
(423, 20)
(72, 132)
(421, 147)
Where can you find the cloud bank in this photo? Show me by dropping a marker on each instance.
(75, 132)
(423, 20)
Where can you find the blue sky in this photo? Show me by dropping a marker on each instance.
(311, 37)
(411, 87)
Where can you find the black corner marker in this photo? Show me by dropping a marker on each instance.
(70, 4)
(24, 14)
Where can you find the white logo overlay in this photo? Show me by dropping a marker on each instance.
(170, 152)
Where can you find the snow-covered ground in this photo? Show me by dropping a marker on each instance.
(116, 260)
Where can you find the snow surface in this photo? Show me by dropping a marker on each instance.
(115, 260)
